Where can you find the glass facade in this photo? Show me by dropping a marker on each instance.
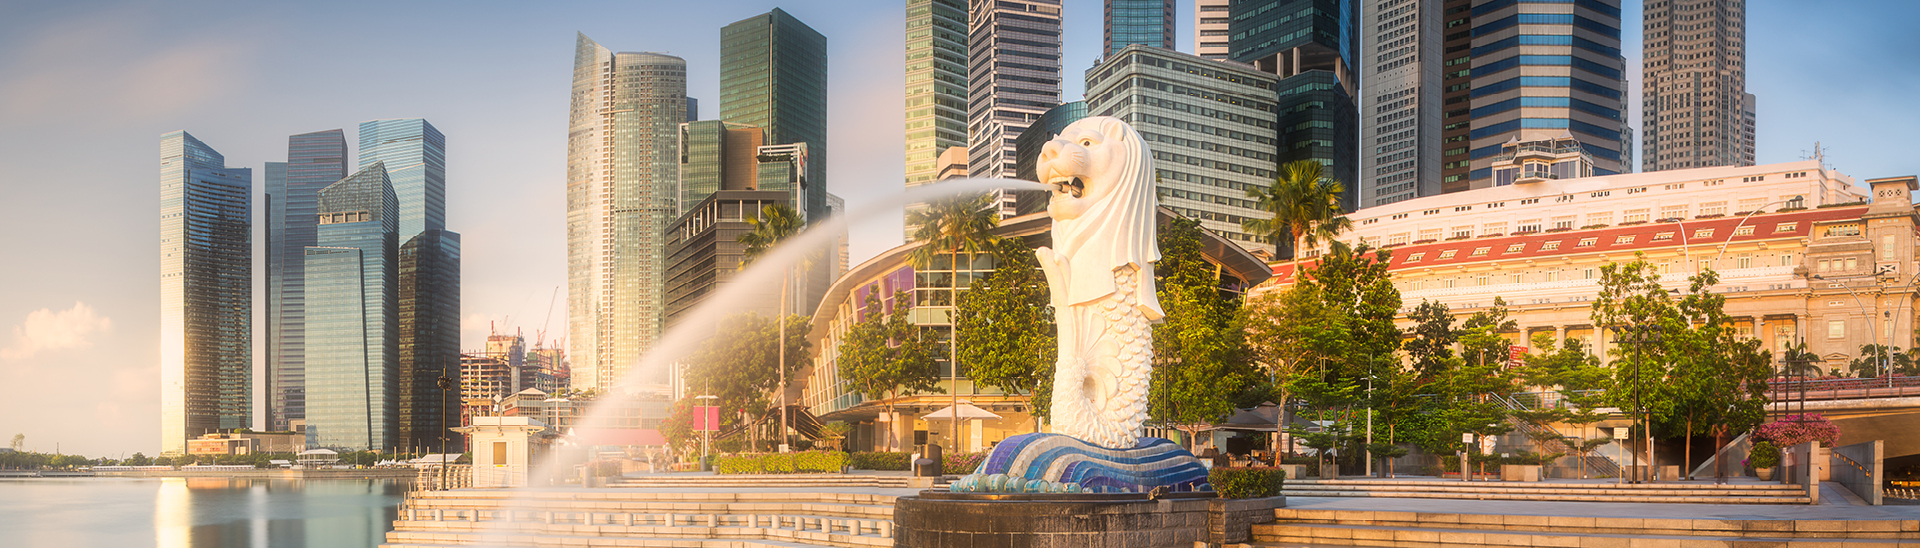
(1310, 45)
(1400, 100)
(715, 156)
(1543, 70)
(773, 75)
(314, 160)
(429, 338)
(1026, 151)
(936, 84)
(622, 194)
(206, 292)
(416, 157)
(1693, 83)
(352, 369)
(1144, 22)
(1013, 77)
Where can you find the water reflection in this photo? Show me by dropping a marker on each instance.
(198, 512)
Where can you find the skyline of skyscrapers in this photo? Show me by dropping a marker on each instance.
(1544, 70)
(1695, 109)
(206, 292)
(773, 75)
(352, 330)
(314, 160)
(936, 94)
(1145, 22)
(416, 156)
(1310, 45)
(1014, 75)
(1400, 134)
(622, 193)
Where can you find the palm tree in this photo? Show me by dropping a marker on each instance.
(952, 226)
(1305, 205)
(775, 224)
(1306, 209)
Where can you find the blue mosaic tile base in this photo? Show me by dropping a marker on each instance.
(1056, 463)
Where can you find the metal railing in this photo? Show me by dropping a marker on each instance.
(1596, 463)
(1783, 390)
(456, 476)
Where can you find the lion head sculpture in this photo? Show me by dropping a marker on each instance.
(1102, 206)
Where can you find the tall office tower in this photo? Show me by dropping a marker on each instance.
(784, 168)
(1310, 45)
(429, 338)
(1210, 28)
(842, 252)
(1749, 118)
(1013, 53)
(1399, 102)
(1456, 94)
(715, 156)
(314, 160)
(773, 74)
(206, 292)
(693, 109)
(1544, 70)
(1693, 84)
(1210, 125)
(416, 158)
(936, 84)
(1031, 142)
(704, 255)
(622, 192)
(353, 315)
(1144, 22)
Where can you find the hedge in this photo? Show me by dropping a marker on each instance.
(881, 460)
(1246, 483)
(802, 462)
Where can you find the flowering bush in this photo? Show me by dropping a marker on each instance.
(961, 463)
(1798, 429)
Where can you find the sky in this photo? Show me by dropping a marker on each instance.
(87, 88)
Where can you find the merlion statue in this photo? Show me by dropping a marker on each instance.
(1100, 271)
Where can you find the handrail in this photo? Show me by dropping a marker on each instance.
(1604, 464)
(1855, 464)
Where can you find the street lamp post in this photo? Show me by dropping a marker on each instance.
(446, 384)
(1639, 335)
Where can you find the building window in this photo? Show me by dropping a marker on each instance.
(1786, 259)
(1414, 258)
(1713, 209)
(1823, 265)
(1563, 222)
(1429, 234)
(1623, 240)
(1635, 216)
(1744, 230)
(1550, 246)
(1462, 232)
(1448, 254)
(1852, 264)
(1836, 329)
(1600, 219)
(1886, 247)
(1848, 229)
(1480, 251)
(1673, 212)
(1661, 237)
(1397, 239)
(1703, 233)
(1516, 248)
(1785, 227)
(1550, 275)
(1744, 260)
(1751, 205)
(1527, 226)
(1587, 242)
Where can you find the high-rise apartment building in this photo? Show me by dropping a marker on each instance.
(1310, 45)
(314, 160)
(1210, 18)
(416, 157)
(352, 321)
(1456, 93)
(1400, 102)
(1013, 55)
(206, 292)
(429, 336)
(622, 192)
(1693, 78)
(1541, 70)
(773, 75)
(715, 156)
(1144, 22)
(936, 84)
(1209, 124)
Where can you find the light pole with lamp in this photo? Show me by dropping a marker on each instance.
(446, 385)
(1639, 335)
(706, 427)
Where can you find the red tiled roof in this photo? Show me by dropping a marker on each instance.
(1607, 239)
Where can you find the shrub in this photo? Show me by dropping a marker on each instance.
(1764, 455)
(1797, 429)
(961, 463)
(1246, 483)
(880, 460)
(604, 468)
(804, 462)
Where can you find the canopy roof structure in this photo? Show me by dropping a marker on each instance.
(967, 412)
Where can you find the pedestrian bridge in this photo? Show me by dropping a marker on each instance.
(1880, 408)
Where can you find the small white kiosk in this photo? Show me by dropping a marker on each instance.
(502, 449)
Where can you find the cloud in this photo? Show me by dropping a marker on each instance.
(45, 329)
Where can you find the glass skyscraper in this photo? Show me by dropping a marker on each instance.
(1400, 97)
(936, 84)
(1310, 45)
(352, 368)
(1013, 77)
(314, 160)
(716, 156)
(429, 339)
(1542, 70)
(1694, 100)
(622, 194)
(206, 292)
(1144, 22)
(773, 75)
(416, 157)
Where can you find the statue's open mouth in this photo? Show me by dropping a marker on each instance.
(1069, 185)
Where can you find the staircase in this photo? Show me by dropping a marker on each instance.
(1428, 530)
(1700, 493)
(739, 481)
(623, 517)
(1596, 465)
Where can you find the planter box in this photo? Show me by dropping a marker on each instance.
(1329, 471)
(1294, 471)
(1763, 473)
(1519, 472)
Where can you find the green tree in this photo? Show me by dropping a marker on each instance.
(1007, 334)
(1631, 298)
(18, 441)
(1305, 209)
(1333, 330)
(885, 355)
(1200, 361)
(952, 226)
(775, 224)
(744, 366)
(1430, 345)
(1718, 381)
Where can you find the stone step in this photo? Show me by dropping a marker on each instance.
(1678, 499)
(1772, 528)
(1546, 488)
(806, 529)
(1740, 486)
(398, 539)
(1279, 535)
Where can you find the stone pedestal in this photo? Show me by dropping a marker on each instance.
(948, 520)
